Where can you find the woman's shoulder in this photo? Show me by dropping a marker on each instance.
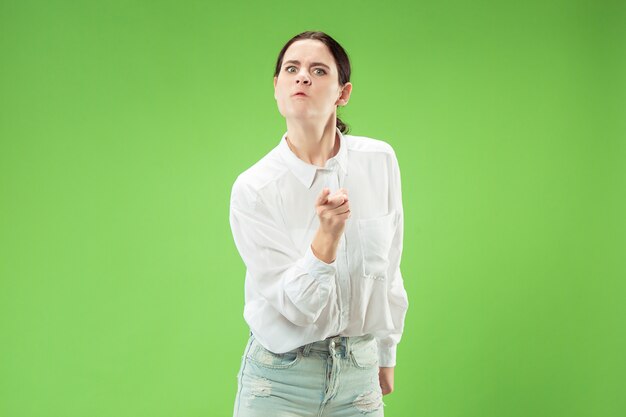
(262, 172)
(368, 144)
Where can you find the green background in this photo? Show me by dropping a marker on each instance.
(123, 125)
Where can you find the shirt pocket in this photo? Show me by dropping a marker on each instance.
(375, 236)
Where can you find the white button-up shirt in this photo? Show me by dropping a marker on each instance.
(293, 298)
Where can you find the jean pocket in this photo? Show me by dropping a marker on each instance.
(365, 357)
(376, 235)
(263, 357)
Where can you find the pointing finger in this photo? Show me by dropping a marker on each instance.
(322, 197)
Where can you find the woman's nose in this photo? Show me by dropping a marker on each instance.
(303, 78)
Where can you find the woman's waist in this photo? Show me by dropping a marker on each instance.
(339, 342)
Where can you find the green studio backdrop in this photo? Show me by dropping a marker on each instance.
(123, 125)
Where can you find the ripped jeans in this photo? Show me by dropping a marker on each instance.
(335, 377)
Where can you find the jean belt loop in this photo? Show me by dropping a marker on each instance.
(306, 349)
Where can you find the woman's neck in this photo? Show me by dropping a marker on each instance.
(314, 144)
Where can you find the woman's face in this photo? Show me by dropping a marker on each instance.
(314, 72)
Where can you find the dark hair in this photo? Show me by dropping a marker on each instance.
(341, 60)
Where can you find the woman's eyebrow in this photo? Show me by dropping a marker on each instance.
(313, 64)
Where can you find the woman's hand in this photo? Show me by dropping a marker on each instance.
(385, 378)
(333, 211)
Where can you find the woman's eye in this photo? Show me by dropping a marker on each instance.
(322, 72)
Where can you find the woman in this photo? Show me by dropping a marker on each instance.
(318, 222)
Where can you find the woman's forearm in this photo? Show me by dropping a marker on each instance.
(324, 246)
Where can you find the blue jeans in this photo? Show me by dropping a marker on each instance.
(335, 377)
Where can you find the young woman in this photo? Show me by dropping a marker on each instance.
(318, 222)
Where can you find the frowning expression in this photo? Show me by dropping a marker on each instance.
(307, 86)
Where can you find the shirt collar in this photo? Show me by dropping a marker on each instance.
(304, 171)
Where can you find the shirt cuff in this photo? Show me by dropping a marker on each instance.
(387, 356)
(317, 268)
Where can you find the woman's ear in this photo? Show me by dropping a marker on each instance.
(346, 90)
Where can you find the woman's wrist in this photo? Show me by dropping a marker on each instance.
(324, 247)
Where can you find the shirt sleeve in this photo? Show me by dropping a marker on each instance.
(397, 296)
(297, 286)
